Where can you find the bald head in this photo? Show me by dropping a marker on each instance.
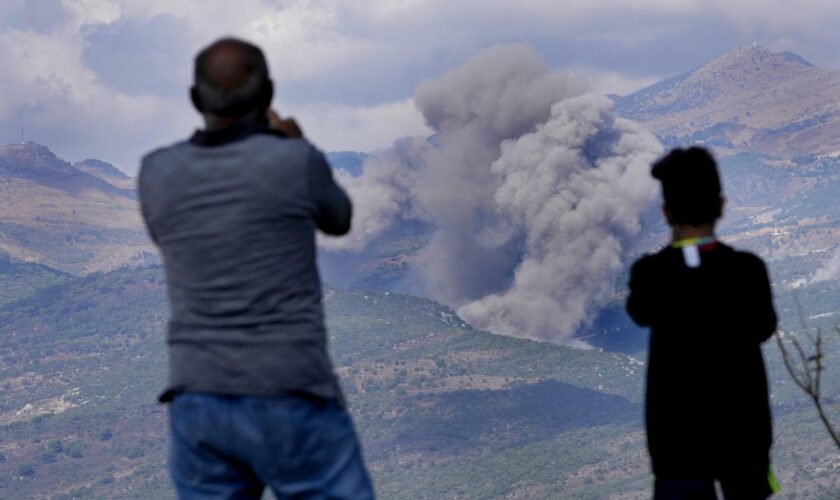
(231, 79)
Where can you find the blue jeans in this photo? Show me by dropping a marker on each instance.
(233, 446)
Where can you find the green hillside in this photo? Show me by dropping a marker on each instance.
(444, 411)
(22, 279)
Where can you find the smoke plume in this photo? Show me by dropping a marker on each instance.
(829, 271)
(531, 185)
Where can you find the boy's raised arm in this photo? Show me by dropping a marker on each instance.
(333, 205)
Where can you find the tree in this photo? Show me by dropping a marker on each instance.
(806, 369)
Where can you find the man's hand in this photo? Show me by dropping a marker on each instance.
(286, 125)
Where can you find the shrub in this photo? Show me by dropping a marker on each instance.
(47, 457)
(106, 434)
(55, 446)
(135, 452)
(74, 449)
(26, 470)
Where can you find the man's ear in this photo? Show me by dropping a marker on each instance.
(669, 217)
(195, 97)
(721, 207)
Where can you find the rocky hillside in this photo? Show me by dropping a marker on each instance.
(750, 99)
(75, 218)
(107, 172)
(81, 217)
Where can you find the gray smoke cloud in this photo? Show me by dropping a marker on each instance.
(576, 186)
(531, 184)
(386, 192)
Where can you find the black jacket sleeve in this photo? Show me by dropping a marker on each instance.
(332, 205)
(639, 300)
(764, 312)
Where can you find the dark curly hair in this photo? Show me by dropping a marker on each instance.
(691, 185)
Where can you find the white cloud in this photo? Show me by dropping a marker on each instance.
(93, 11)
(339, 128)
(58, 100)
(61, 103)
(307, 39)
(613, 82)
(387, 9)
(348, 69)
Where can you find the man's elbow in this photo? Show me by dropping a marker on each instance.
(335, 215)
(336, 228)
(338, 224)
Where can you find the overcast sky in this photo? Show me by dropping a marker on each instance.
(108, 78)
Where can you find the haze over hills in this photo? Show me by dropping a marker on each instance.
(750, 99)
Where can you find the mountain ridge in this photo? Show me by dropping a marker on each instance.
(36, 162)
(53, 213)
(107, 172)
(749, 99)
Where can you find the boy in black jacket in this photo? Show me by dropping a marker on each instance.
(709, 308)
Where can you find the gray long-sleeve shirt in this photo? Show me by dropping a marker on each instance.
(234, 213)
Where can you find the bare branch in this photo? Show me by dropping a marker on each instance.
(807, 372)
(817, 359)
(788, 365)
(803, 359)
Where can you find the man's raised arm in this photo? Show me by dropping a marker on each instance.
(333, 206)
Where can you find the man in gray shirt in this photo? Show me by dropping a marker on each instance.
(234, 210)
